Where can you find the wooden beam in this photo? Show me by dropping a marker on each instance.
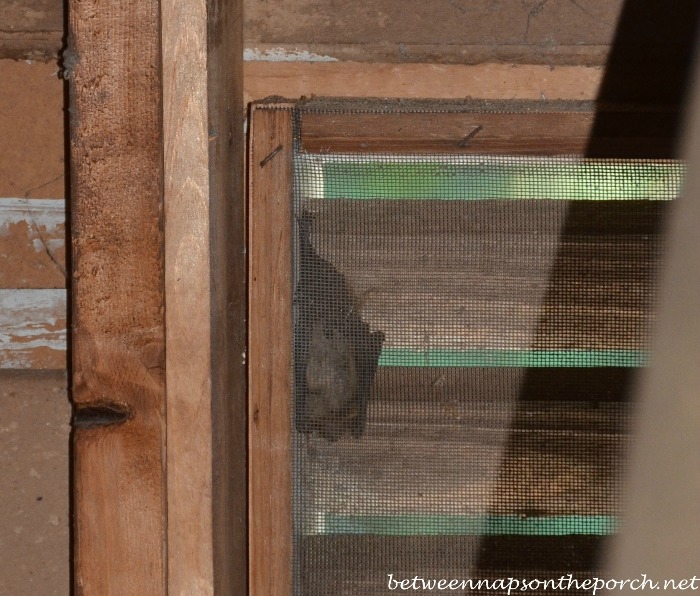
(229, 295)
(432, 80)
(475, 131)
(556, 31)
(205, 297)
(118, 339)
(269, 352)
(482, 126)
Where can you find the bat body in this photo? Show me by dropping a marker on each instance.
(336, 354)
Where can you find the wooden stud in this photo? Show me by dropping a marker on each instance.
(205, 297)
(145, 143)
(227, 241)
(270, 343)
(118, 347)
(187, 290)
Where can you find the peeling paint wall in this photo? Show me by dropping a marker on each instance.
(33, 329)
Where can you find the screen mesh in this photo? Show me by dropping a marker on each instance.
(466, 331)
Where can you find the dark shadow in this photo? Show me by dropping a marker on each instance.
(69, 278)
(640, 111)
(648, 70)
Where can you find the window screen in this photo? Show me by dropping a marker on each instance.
(467, 329)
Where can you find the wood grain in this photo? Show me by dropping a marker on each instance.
(205, 297)
(555, 32)
(520, 274)
(443, 81)
(229, 295)
(343, 564)
(117, 296)
(521, 128)
(187, 295)
(269, 352)
(475, 457)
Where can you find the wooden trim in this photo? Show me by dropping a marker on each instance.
(504, 127)
(118, 340)
(205, 297)
(438, 81)
(187, 296)
(269, 353)
(498, 133)
(229, 294)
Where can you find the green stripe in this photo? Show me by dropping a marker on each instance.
(512, 358)
(470, 178)
(414, 524)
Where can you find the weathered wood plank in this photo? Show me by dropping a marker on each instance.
(499, 133)
(490, 409)
(205, 297)
(499, 127)
(187, 295)
(456, 385)
(269, 351)
(498, 274)
(32, 243)
(475, 458)
(118, 343)
(476, 31)
(31, 29)
(444, 81)
(339, 564)
(556, 32)
(651, 44)
(229, 297)
(33, 329)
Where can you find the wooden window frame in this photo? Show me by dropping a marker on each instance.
(371, 126)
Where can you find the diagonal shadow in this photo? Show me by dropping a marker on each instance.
(639, 112)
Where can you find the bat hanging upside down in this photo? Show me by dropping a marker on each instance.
(336, 354)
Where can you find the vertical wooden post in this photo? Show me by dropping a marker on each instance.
(270, 349)
(158, 233)
(205, 296)
(113, 63)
